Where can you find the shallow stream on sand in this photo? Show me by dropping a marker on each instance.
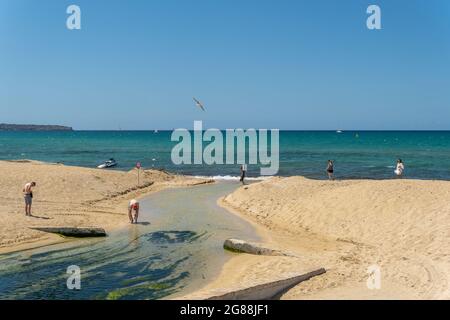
(175, 249)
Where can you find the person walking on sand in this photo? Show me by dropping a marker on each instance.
(133, 207)
(28, 196)
(330, 169)
(399, 169)
(243, 172)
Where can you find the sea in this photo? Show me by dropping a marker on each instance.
(356, 154)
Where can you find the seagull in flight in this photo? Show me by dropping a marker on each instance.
(199, 104)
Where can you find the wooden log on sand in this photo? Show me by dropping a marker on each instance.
(259, 291)
(252, 248)
(83, 232)
(266, 291)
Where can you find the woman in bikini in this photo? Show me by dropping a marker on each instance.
(330, 169)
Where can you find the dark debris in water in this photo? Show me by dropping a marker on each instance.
(170, 237)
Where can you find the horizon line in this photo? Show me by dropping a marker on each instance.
(223, 129)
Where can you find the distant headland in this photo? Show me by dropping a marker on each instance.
(32, 127)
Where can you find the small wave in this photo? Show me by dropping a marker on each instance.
(372, 166)
(232, 178)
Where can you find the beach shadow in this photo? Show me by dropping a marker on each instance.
(144, 223)
(39, 217)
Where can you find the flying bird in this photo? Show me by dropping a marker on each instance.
(199, 104)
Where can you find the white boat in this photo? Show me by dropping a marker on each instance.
(339, 131)
(108, 164)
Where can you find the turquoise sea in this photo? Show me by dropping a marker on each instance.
(357, 154)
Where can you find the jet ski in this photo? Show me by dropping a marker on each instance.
(108, 164)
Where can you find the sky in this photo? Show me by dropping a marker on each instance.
(299, 65)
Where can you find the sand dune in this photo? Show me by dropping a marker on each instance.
(70, 196)
(402, 226)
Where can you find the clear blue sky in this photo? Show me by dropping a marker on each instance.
(253, 63)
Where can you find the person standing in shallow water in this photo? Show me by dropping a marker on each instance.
(399, 169)
(243, 172)
(330, 169)
(133, 207)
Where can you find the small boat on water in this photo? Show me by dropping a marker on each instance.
(108, 164)
(339, 131)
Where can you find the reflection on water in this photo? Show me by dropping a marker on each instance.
(141, 262)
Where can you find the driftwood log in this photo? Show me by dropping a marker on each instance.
(237, 245)
(74, 231)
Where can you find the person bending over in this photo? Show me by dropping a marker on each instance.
(28, 196)
(133, 211)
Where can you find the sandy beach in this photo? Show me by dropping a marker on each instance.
(401, 226)
(70, 196)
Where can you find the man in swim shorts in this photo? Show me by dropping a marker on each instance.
(28, 196)
(133, 207)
